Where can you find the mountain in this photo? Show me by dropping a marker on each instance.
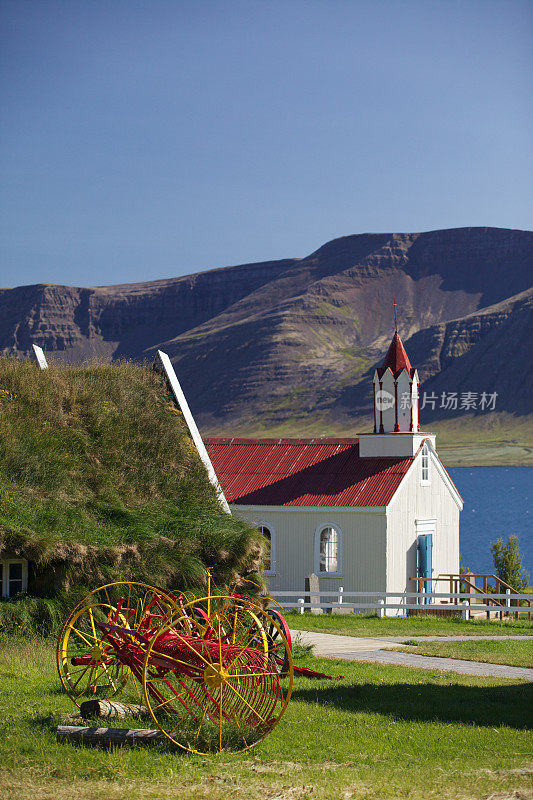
(288, 345)
(487, 351)
(121, 321)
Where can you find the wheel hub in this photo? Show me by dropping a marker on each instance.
(215, 676)
(97, 653)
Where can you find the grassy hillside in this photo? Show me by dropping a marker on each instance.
(100, 481)
(484, 440)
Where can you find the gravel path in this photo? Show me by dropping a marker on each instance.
(355, 648)
(446, 664)
(400, 639)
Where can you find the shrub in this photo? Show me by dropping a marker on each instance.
(508, 563)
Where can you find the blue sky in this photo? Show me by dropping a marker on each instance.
(142, 140)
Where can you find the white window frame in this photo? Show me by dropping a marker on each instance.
(424, 526)
(4, 566)
(264, 524)
(425, 468)
(337, 528)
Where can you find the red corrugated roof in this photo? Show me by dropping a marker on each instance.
(303, 472)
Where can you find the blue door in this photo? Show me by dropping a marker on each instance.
(425, 560)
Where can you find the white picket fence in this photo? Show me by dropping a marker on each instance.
(401, 602)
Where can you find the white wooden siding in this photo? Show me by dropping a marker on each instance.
(414, 501)
(363, 545)
(379, 546)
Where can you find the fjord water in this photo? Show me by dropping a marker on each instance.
(498, 502)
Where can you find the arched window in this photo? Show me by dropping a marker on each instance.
(328, 549)
(424, 474)
(270, 555)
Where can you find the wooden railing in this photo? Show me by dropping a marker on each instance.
(466, 582)
(403, 603)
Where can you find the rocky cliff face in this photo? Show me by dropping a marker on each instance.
(488, 351)
(121, 321)
(296, 340)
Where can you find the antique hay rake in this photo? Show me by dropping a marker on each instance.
(215, 672)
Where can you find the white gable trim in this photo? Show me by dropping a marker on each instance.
(445, 477)
(435, 460)
(404, 479)
(193, 430)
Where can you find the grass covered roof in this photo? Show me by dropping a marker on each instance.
(99, 480)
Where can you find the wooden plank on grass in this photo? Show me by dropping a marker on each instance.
(108, 737)
(110, 708)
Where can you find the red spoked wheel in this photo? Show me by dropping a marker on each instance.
(210, 684)
(279, 641)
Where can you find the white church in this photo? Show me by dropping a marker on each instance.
(372, 513)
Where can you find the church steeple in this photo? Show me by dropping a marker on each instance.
(396, 390)
(396, 429)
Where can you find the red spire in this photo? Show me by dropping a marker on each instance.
(396, 358)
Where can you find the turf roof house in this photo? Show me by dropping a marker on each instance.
(368, 514)
(99, 483)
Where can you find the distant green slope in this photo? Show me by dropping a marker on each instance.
(100, 481)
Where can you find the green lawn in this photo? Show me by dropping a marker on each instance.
(517, 654)
(384, 732)
(359, 625)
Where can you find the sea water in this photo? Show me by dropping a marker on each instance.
(498, 502)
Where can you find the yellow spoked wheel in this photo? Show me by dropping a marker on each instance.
(208, 680)
(279, 647)
(89, 644)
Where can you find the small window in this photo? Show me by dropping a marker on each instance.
(270, 555)
(425, 465)
(13, 577)
(329, 550)
(268, 536)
